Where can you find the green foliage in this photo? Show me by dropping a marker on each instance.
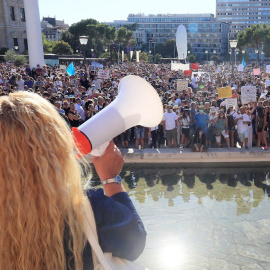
(20, 60)
(158, 58)
(144, 56)
(254, 36)
(62, 47)
(214, 58)
(47, 44)
(192, 58)
(10, 55)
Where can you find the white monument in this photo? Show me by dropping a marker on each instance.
(181, 42)
(34, 37)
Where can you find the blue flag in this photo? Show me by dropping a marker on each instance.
(243, 63)
(71, 69)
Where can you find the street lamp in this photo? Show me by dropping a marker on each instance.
(16, 48)
(233, 45)
(206, 55)
(92, 50)
(83, 42)
(106, 50)
(262, 53)
(258, 56)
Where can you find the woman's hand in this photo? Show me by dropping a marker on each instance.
(110, 163)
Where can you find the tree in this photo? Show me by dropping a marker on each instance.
(47, 44)
(10, 55)
(170, 48)
(192, 58)
(158, 58)
(214, 58)
(144, 56)
(20, 60)
(62, 47)
(254, 37)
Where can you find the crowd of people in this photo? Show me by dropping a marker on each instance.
(195, 117)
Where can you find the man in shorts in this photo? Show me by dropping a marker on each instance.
(243, 121)
(169, 126)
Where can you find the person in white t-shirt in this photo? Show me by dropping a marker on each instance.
(169, 126)
(243, 121)
(194, 81)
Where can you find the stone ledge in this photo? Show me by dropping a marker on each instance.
(214, 155)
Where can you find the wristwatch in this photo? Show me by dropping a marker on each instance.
(117, 179)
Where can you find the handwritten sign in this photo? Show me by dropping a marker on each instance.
(225, 92)
(103, 74)
(182, 85)
(248, 94)
(231, 101)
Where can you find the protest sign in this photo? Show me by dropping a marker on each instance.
(187, 72)
(103, 74)
(231, 101)
(267, 82)
(182, 85)
(204, 75)
(117, 74)
(248, 94)
(267, 69)
(241, 67)
(13, 70)
(256, 71)
(179, 66)
(195, 66)
(225, 92)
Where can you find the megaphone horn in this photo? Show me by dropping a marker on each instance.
(137, 103)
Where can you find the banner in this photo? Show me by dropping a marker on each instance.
(182, 85)
(224, 92)
(187, 72)
(137, 56)
(204, 75)
(256, 71)
(195, 66)
(95, 64)
(179, 66)
(103, 74)
(248, 94)
(231, 101)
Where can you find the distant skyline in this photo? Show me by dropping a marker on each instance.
(107, 11)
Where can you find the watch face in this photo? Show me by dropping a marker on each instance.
(118, 179)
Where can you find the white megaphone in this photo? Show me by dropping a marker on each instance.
(137, 103)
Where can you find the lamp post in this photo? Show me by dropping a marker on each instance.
(92, 50)
(233, 45)
(16, 48)
(206, 56)
(262, 53)
(83, 42)
(257, 56)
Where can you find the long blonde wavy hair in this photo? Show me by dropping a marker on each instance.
(40, 186)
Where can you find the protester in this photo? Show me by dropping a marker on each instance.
(42, 213)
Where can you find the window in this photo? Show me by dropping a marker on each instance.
(25, 44)
(22, 14)
(12, 14)
(15, 42)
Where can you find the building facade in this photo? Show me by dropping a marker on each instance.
(12, 25)
(240, 14)
(204, 32)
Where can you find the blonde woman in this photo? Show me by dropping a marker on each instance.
(41, 213)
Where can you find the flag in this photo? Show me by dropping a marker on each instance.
(187, 72)
(95, 64)
(70, 69)
(195, 66)
(256, 71)
(243, 63)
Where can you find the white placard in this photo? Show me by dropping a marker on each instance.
(231, 101)
(240, 67)
(103, 74)
(267, 69)
(248, 94)
(267, 82)
(182, 85)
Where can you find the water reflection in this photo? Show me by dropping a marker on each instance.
(246, 187)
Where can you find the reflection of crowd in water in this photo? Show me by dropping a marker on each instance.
(217, 184)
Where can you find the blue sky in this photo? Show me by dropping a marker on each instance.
(106, 11)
